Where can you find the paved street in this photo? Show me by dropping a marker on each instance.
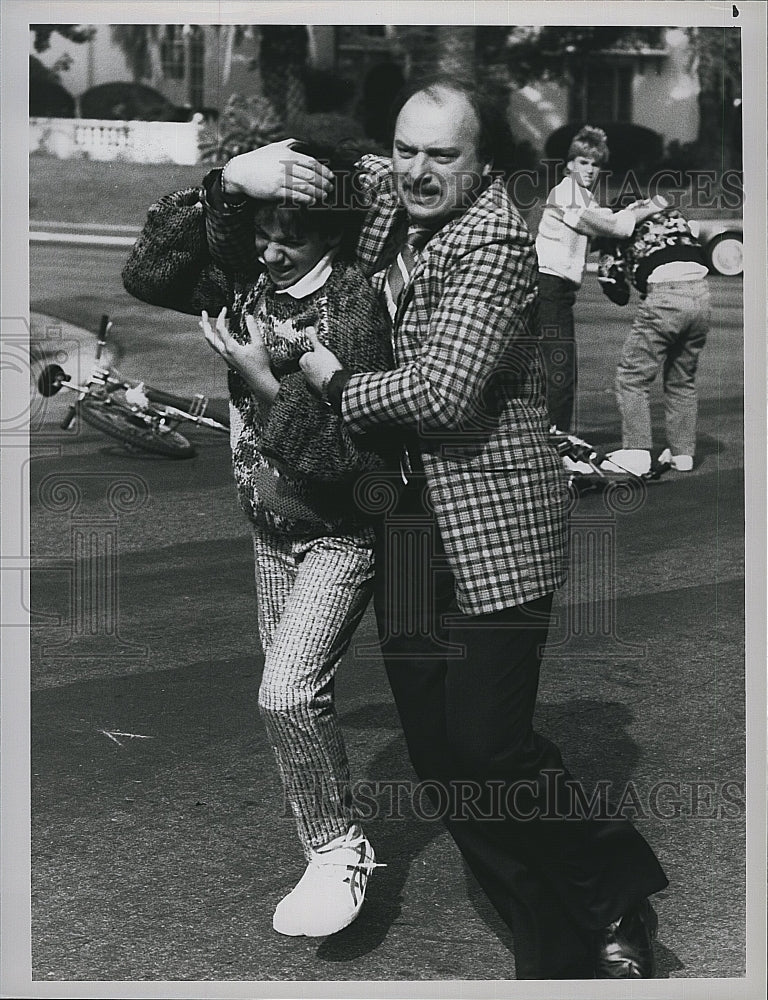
(160, 844)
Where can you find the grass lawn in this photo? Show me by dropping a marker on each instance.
(88, 191)
(119, 193)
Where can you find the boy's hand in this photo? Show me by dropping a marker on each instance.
(256, 352)
(643, 210)
(318, 364)
(278, 173)
(250, 360)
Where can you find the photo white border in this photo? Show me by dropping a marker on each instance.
(15, 17)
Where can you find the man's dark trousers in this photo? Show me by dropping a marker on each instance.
(465, 689)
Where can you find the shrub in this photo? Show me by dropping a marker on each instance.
(524, 156)
(683, 156)
(47, 97)
(245, 124)
(332, 128)
(325, 90)
(633, 147)
(127, 101)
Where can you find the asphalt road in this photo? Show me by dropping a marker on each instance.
(160, 844)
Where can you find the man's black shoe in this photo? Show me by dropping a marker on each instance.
(625, 947)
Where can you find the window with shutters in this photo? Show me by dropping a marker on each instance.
(172, 52)
(602, 92)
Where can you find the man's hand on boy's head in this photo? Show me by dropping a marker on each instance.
(278, 172)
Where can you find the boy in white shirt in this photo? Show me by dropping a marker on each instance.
(571, 216)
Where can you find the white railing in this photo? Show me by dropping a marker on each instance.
(135, 141)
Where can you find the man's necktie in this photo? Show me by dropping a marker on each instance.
(397, 278)
(399, 271)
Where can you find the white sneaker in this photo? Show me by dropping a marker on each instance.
(331, 891)
(572, 466)
(681, 463)
(635, 461)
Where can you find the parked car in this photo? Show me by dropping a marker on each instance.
(723, 243)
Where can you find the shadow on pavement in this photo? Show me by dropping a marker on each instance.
(399, 838)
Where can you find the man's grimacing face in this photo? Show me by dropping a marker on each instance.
(437, 167)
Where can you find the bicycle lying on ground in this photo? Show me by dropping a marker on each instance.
(140, 417)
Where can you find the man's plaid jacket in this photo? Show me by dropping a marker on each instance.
(469, 382)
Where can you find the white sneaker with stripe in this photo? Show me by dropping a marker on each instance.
(331, 891)
(680, 463)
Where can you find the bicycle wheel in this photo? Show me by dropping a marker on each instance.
(133, 432)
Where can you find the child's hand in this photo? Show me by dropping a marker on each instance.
(251, 360)
(257, 351)
(218, 335)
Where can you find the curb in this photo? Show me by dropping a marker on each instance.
(84, 233)
(89, 239)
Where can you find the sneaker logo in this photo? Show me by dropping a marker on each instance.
(359, 877)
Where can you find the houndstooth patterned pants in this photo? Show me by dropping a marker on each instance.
(311, 596)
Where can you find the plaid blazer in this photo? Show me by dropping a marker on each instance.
(468, 382)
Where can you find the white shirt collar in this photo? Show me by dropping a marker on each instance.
(312, 280)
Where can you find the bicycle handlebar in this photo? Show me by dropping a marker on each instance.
(196, 406)
(104, 328)
(70, 415)
(170, 399)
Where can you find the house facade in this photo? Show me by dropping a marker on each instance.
(654, 87)
(191, 65)
(199, 67)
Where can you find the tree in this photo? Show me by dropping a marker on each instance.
(552, 53)
(78, 33)
(433, 49)
(716, 53)
(47, 97)
(137, 42)
(549, 53)
(282, 60)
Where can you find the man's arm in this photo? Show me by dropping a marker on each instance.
(169, 265)
(277, 172)
(485, 307)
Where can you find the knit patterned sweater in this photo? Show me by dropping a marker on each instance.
(663, 238)
(295, 463)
